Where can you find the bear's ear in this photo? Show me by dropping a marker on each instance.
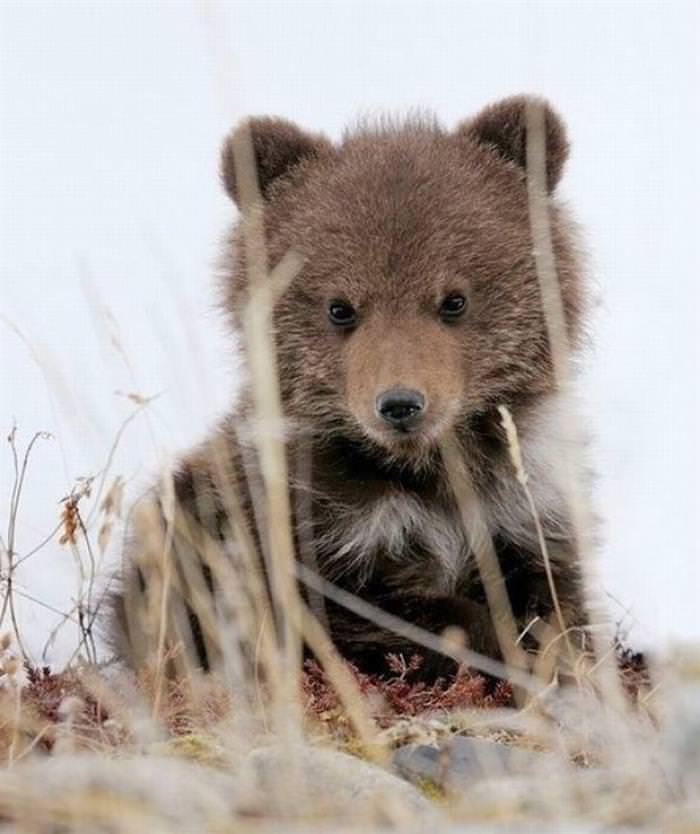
(503, 127)
(278, 145)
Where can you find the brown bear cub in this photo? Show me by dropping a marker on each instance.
(415, 314)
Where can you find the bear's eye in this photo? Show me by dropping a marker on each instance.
(453, 306)
(341, 313)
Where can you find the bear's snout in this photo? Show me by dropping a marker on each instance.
(401, 408)
(404, 379)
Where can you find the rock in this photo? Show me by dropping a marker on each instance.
(333, 783)
(419, 763)
(466, 759)
(87, 793)
(681, 738)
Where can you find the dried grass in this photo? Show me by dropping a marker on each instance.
(172, 709)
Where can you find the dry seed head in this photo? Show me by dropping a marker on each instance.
(10, 667)
(112, 503)
(70, 519)
(454, 638)
(104, 536)
(513, 444)
(71, 706)
(134, 397)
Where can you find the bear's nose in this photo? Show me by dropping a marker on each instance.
(401, 407)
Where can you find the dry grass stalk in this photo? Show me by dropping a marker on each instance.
(522, 477)
(545, 263)
(168, 509)
(485, 556)
(9, 545)
(244, 591)
(268, 408)
(344, 684)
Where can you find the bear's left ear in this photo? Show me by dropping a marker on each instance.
(278, 145)
(503, 127)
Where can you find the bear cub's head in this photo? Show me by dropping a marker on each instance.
(418, 305)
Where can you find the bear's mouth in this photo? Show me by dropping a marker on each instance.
(418, 435)
(408, 441)
(369, 460)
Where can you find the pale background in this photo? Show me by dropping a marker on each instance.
(111, 115)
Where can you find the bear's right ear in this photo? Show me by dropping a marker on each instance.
(278, 145)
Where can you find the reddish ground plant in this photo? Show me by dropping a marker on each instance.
(48, 691)
(398, 695)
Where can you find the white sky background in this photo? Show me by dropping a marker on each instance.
(111, 116)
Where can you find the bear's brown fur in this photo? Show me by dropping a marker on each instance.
(394, 219)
